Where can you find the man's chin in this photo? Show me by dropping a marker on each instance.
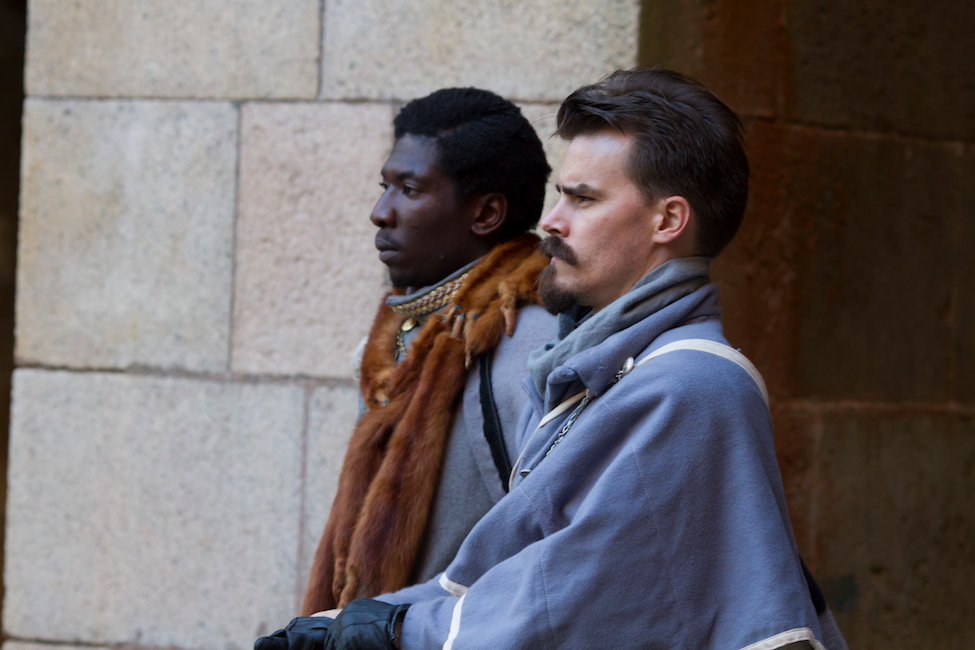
(555, 298)
(398, 279)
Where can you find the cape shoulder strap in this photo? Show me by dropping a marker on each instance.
(719, 349)
(702, 345)
(584, 397)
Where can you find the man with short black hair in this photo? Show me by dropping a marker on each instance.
(646, 508)
(439, 374)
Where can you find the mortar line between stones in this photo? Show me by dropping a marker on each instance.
(903, 407)
(233, 238)
(58, 643)
(953, 338)
(303, 495)
(113, 645)
(817, 495)
(173, 99)
(179, 373)
(321, 51)
(209, 100)
(953, 332)
(839, 130)
(873, 441)
(555, 103)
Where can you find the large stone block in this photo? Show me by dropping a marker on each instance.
(905, 67)
(874, 267)
(200, 48)
(126, 234)
(798, 430)
(734, 47)
(847, 251)
(308, 275)
(542, 117)
(895, 526)
(757, 271)
(522, 50)
(331, 417)
(151, 510)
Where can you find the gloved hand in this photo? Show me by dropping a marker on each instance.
(365, 624)
(302, 633)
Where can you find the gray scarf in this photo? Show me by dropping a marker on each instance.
(662, 286)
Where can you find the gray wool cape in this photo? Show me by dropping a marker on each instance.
(659, 519)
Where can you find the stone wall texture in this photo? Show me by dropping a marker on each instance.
(126, 236)
(195, 269)
(245, 49)
(307, 273)
(850, 285)
(161, 510)
(522, 50)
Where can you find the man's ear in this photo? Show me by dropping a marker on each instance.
(490, 212)
(675, 223)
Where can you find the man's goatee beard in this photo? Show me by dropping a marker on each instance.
(555, 299)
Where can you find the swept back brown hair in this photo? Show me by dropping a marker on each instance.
(687, 142)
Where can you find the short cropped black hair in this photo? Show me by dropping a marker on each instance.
(687, 142)
(485, 145)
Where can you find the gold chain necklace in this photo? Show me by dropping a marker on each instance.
(431, 301)
(425, 304)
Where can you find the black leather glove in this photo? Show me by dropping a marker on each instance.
(366, 624)
(302, 633)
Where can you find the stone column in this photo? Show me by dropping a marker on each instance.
(195, 269)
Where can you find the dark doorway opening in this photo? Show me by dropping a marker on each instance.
(13, 30)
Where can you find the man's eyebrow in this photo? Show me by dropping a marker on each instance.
(398, 175)
(576, 190)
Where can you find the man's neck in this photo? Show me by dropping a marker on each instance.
(425, 300)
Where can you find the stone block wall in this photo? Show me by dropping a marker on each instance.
(852, 288)
(195, 267)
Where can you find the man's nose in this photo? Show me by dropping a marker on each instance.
(383, 215)
(553, 223)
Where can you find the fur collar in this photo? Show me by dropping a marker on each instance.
(393, 463)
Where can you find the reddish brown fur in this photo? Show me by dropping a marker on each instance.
(392, 466)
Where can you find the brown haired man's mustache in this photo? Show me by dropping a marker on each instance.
(554, 247)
